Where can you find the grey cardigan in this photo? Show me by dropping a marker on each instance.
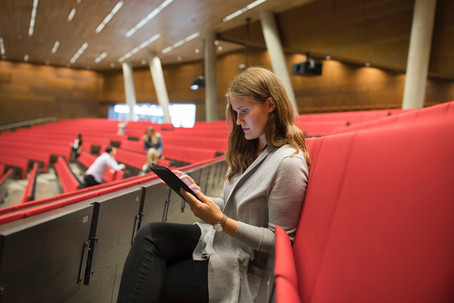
(269, 192)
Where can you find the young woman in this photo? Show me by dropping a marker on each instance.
(225, 259)
(152, 157)
(152, 139)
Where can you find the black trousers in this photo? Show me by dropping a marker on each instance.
(159, 266)
(89, 180)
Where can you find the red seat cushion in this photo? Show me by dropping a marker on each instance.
(390, 238)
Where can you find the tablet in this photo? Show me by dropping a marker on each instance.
(172, 180)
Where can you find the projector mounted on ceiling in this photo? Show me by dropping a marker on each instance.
(308, 68)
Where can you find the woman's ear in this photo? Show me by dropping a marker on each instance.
(271, 105)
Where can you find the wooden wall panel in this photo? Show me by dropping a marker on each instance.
(30, 92)
(342, 86)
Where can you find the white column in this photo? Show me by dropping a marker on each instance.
(274, 47)
(211, 91)
(419, 53)
(159, 85)
(129, 88)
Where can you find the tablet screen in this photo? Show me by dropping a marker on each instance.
(172, 180)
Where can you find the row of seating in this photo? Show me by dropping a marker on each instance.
(42, 157)
(218, 144)
(188, 154)
(98, 133)
(438, 111)
(376, 224)
(316, 125)
(18, 164)
(68, 181)
(352, 117)
(29, 192)
(5, 177)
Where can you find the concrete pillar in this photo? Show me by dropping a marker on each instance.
(419, 53)
(129, 88)
(211, 91)
(274, 47)
(159, 85)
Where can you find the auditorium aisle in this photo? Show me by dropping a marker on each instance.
(47, 186)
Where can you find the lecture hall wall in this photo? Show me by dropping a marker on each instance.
(30, 91)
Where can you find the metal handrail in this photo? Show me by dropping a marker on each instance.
(27, 123)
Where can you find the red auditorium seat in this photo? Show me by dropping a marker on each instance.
(376, 224)
(29, 192)
(439, 111)
(68, 181)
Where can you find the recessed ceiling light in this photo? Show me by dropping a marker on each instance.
(147, 18)
(179, 43)
(367, 64)
(56, 45)
(71, 14)
(179, 58)
(242, 10)
(112, 64)
(219, 48)
(328, 57)
(26, 58)
(78, 53)
(138, 48)
(197, 50)
(143, 61)
(2, 46)
(109, 17)
(100, 57)
(33, 18)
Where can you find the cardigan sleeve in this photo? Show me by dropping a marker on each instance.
(284, 202)
(159, 145)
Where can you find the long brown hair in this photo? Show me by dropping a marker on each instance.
(259, 84)
(153, 135)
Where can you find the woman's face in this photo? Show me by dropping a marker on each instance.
(252, 116)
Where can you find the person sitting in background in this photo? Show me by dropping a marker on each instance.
(152, 157)
(122, 126)
(152, 139)
(93, 175)
(224, 258)
(76, 148)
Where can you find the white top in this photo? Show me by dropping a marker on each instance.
(98, 168)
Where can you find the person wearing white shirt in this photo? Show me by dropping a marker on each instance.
(93, 175)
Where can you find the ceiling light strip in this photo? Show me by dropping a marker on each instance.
(138, 48)
(2, 47)
(71, 14)
(55, 47)
(100, 57)
(180, 43)
(148, 18)
(78, 53)
(33, 18)
(242, 10)
(109, 17)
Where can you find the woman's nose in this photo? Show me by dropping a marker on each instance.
(238, 120)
